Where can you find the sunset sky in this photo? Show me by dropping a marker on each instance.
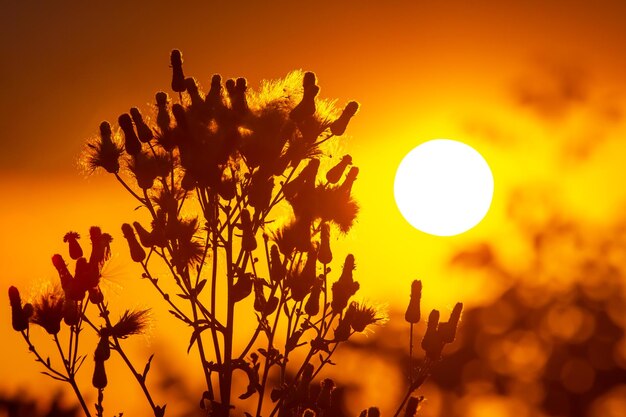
(537, 88)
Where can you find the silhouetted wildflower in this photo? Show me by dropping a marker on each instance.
(144, 133)
(178, 77)
(71, 312)
(95, 295)
(137, 253)
(306, 107)
(145, 237)
(163, 119)
(72, 239)
(336, 205)
(248, 241)
(312, 306)
(346, 186)
(345, 287)
(413, 314)
(64, 273)
(105, 152)
(48, 311)
(363, 316)
(130, 323)
(277, 268)
(300, 282)
(103, 351)
(20, 315)
(197, 102)
(335, 173)
(343, 329)
(100, 246)
(338, 127)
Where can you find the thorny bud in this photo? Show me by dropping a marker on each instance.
(99, 379)
(178, 78)
(137, 253)
(306, 107)
(163, 114)
(338, 127)
(447, 330)
(312, 306)
(131, 141)
(144, 133)
(342, 331)
(335, 173)
(277, 269)
(248, 242)
(19, 317)
(103, 351)
(324, 400)
(432, 343)
(95, 295)
(345, 287)
(71, 313)
(192, 89)
(413, 314)
(48, 312)
(64, 273)
(324, 254)
(145, 237)
(346, 186)
(72, 239)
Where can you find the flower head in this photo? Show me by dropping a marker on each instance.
(130, 323)
(364, 316)
(103, 152)
(48, 311)
(72, 239)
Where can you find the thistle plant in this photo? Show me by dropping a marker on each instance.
(243, 200)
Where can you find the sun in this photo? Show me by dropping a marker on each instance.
(443, 187)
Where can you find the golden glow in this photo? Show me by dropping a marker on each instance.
(443, 187)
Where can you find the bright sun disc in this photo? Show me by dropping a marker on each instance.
(443, 187)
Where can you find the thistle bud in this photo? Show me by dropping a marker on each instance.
(373, 412)
(214, 100)
(277, 269)
(338, 127)
(243, 287)
(302, 283)
(346, 186)
(412, 314)
(306, 107)
(71, 238)
(312, 307)
(259, 297)
(227, 189)
(192, 89)
(432, 343)
(145, 237)
(335, 173)
(324, 254)
(71, 313)
(324, 400)
(99, 379)
(103, 350)
(95, 295)
(86, 276)
(447, 330)
(131, 141)
(342, 332)
(19, 319)
(178, 78)
(137, 253)
(238, 99)
(64, 273)
(248, 242)
(144, 133)
(163, 115)
(260, 192)
(345, 287)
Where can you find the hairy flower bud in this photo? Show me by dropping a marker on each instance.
(145, 237)
(64, 273)
(163, 114)
(335, 173)
(324, 254)
(178, 77)
(72, 239)
(345, 287)
(99, 379)
(277, 269)
(137, 253)
(103, 351)
(248, 242)
(347, 184)
(306, 107)
(312, 306)
(412, 314)
(19, 318)
(447, 330)
(338, 127)
(144, 133)
(432, 343)
(131, 141)
(71, 313)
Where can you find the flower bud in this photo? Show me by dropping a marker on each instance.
(64, 273)
(248, 242)
(345, 287)
(325, 397)
(178, 77)
(432, 343)
(99, 379)
(163, 115)
(447, 330)
(324, 254)
(412, 314)
(95, 295)
(145, 237)
(346, 186)
(192, 89)
(335, 173)
(312, 307)
(137, 253)
(72, 239)
(338, 127)
(19, 319)
(277, 269)
(71, 313)
(144, 133)
(306, 107)
(103, 350)
(131, 141)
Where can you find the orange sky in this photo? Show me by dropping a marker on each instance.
(536, 88)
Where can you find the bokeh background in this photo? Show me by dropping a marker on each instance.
(536, 87)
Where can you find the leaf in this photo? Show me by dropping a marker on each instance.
(80, 363)
(54, 376)
(147, 368)
(200, 286)
(183, 296)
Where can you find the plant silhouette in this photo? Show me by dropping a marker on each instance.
(234, 159)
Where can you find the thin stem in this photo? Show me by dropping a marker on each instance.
(70, 377)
